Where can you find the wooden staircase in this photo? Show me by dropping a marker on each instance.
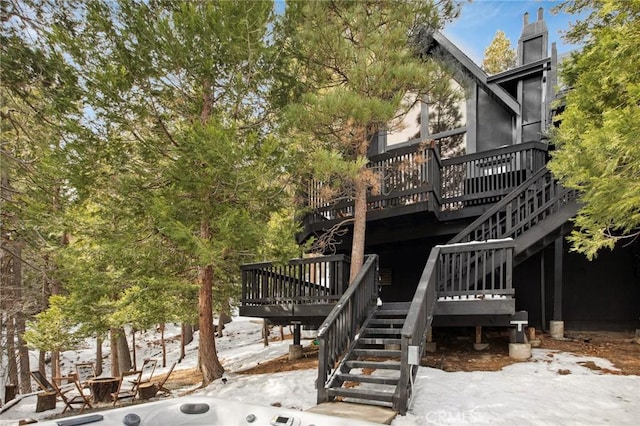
(370, 372)
(389, 341)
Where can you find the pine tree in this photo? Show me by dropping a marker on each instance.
(597, 150)
(179, 148)
(356, 62)
(499, 55)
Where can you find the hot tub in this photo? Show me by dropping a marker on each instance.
(204, 410)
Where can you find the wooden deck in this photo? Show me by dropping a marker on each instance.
(413, 179)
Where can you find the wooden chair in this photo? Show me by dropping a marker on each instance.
(85, 371)
(146, 372)
(49, 387)
(160, 385)
(127, 388)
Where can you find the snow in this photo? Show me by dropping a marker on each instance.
(551, 388)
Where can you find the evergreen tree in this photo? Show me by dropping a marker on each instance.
(597, 150)
(499, 55)
(356, 63)
(179, 148)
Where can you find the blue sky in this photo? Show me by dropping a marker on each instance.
(473, 31)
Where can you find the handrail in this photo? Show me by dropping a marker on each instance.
(504, 219)
(415, 327)
(422, 308)
(344, 321)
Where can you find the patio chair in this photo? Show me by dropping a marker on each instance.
(160, 385)
(146, 372)
(85, 371)
(51, 387)
(127, 388)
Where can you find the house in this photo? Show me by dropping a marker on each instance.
(466, 231)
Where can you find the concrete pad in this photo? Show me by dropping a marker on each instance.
(369, 413)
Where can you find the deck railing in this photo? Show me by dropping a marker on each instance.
(452, 264)
(416, 174)
(476, 269)
(313, 280)
(406, 176)
(339, 330)
(487, 176)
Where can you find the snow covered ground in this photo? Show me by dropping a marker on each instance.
(550, 389)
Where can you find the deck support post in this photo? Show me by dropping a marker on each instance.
(295, 350)
(556, 326)
(543, 297)
(478, 345)
(430, 345)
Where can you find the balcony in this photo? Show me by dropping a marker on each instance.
(415, 179)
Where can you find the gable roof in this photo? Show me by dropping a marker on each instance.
(472, 70)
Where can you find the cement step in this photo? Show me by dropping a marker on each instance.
(374, 365)
(363, 394)
(356, 411)
(366, 378)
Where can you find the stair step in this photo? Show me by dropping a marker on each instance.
(364, 378)
(374, 365)
(378, 341)
(391, 312)
(387, 321)
(371, 395)
(376, 352)
(369, 330)
(395, 305)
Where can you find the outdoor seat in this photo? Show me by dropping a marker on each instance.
(146, 372)
(51, 387)
(127, 388)
(85, 371)
(160, 385)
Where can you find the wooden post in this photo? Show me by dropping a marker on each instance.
(543, 297)
(478, 334)
(557, 280)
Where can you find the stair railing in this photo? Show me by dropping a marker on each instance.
(449, 264)
(535, 199)
(341, 326)
(415, 328)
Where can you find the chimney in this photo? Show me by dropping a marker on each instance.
(532, 45)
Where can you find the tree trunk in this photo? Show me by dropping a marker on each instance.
(164, 345)
(359, 227)
(12, 364)
(124, 358)
(133, 348)
(265, 331)
(23, 353)
(42, 359)
(208, 362)
(55, 364)
(188, 333)
(186, 337)
(23, 350)
(115, 365)
(98, 356)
